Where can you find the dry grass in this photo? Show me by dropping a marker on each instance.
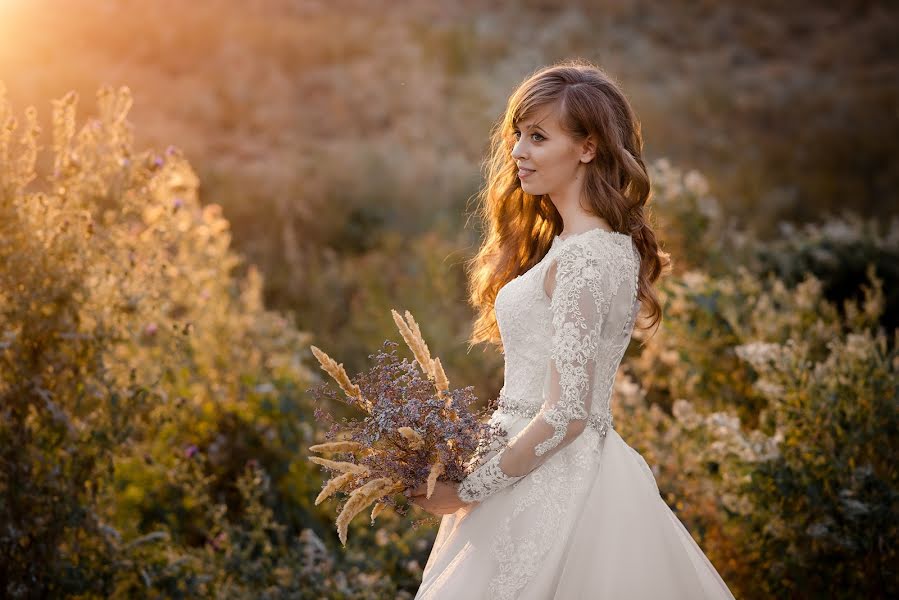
(399, 454)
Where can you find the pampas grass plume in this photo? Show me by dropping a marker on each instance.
(339, 465)
(334, 485)
(436, 471)
(341, 446)
(440, 380)
(362, 497)
(411, 436)
(378, 509)
(412, 336)
(338, 373)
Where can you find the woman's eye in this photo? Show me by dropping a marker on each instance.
(517, 133)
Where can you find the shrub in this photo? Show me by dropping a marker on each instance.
(138, 376)
(767, 410)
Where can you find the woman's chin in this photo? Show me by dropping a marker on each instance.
(531, 189)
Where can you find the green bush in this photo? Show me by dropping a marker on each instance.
(767, 408)
(139, 376)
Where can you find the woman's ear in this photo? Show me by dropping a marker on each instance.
(588, 149)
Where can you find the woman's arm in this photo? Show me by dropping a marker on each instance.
(583, 285)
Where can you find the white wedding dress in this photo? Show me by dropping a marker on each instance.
(564, 508)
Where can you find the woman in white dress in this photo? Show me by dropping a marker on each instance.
(563, 507)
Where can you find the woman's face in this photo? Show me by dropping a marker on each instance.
(547, 157)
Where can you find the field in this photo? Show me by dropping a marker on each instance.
(207, 188)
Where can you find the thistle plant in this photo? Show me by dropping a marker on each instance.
(415, 429)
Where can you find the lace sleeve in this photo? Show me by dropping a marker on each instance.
(584, 284)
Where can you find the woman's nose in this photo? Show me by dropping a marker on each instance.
(516, 151)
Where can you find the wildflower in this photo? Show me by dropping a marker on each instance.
(264, 388)
(841, 231)
(694, 279)
(413, 567)
(685, 414)
(218, 541)
(758, 354)
(696, 183)
(382, 538)
(723, 424)
(769, 388)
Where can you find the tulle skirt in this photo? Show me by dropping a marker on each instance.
(588, 523)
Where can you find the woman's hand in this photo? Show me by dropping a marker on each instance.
(444, 501)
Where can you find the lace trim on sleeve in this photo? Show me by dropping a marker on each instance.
(579, 303)
(585, 282)
(485, 480)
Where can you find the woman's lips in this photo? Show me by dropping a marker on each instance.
(522, 173)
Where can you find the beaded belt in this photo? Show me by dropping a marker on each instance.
(520, 408)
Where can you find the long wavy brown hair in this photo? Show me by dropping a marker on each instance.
(519, 227)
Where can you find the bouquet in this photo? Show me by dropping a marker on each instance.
(415, 429)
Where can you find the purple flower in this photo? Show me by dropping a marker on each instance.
(191, 450)
(398, 395)
(218, 540)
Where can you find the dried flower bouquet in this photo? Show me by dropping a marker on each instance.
(415, 428)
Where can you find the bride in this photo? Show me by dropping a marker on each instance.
(563, 507)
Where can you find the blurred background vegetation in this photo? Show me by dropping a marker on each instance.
(289, 171)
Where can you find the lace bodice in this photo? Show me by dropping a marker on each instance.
(561, 351)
